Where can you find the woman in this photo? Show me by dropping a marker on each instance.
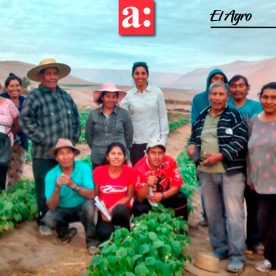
(148, 112)
(114, 186)
(218, 143)
(13, 88)
(8, 122)
(107, 123)
(262, 172)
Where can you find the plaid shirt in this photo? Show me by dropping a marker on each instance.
(47, 116)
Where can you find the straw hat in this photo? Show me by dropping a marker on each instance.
(207, 262)
(63, 69)
(62, 143)
(108, 87)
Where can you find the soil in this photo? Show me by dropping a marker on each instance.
(25, 252)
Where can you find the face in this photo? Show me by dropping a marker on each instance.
(155, 156)
(217, 78)
(65, 157)
(239, 90)
(116, 157)
(110, 99)
(49, 78)
(140, 76)
(268, 101)
(14, 89)
(218, 98)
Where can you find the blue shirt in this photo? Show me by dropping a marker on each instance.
(68, 198)
(248, 110)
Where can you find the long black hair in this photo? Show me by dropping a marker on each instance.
(110, 148)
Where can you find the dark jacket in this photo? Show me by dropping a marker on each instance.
(232, 133)
(201, 100)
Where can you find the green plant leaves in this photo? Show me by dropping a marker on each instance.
(17, 204)
(154, 247)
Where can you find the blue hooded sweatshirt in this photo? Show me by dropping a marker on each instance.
(201, 101)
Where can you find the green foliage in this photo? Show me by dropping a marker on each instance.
(177, 124)
(188, 171)
(156, 246)
(17, 204)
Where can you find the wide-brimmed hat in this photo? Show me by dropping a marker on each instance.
(108, 87)
(63, 69)
(204, 264)
(154, 143)
(62, 143)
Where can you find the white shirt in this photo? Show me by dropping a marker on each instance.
(148, 113)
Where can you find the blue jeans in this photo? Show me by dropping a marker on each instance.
(60, 218)
(223, 195)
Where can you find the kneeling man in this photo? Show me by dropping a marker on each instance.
(159, 181)
(69, 191)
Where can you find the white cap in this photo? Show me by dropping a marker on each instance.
(154, 143)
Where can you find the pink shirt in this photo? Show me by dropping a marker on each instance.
(8, 112)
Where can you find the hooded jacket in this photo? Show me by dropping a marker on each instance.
(201, 101)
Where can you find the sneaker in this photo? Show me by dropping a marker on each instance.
(235, 266)
(71, 232)
(93, 248)
(203, 223)
(45, 230)
(264, 266)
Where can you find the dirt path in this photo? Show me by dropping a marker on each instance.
(24, 251)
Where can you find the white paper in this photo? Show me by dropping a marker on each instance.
(101, 206)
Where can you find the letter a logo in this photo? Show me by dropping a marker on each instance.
(136, 17)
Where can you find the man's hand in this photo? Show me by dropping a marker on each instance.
(65, 180)
(156, 197)
(211, 159)
(152, 181)
(191, 150)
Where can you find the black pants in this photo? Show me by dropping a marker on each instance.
(120, 217)
(40, 168)
(137, 152)
(61, 217)
(3, 177)
(252, 230)
(177, 202)
(267, 225)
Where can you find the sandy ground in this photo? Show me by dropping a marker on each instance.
(25, 252)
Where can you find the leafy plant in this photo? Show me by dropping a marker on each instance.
(17, 204)
(188, 171)
(177, 124)
(156, 246)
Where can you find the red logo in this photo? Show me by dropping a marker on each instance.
(136, 17)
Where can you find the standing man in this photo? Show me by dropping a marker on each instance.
(201, 102)
(239, 88)
(48, 113)
(219, 140)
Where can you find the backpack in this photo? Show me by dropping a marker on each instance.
(5, 149)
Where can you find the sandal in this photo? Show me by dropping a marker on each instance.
(71, 232)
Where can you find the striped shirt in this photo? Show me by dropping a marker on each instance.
(47, 116)
(232, 134)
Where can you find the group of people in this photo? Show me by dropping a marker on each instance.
(127, 134)
(232, 143)
(234, 147)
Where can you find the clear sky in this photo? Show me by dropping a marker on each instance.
(84, 33)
